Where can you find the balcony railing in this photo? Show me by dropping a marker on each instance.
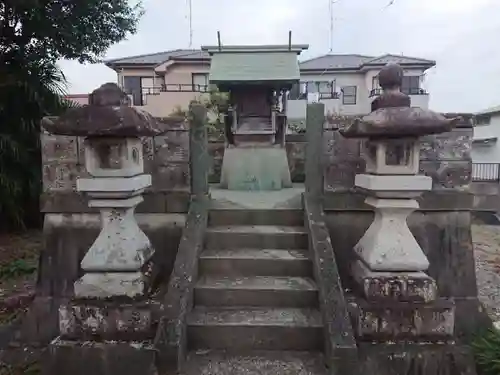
(322, 95)
(405, 90)
(486, 172)
(172, 87)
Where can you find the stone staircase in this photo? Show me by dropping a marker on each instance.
(255, 302)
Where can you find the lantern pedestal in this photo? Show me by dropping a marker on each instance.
(388, 244)
(109, 326)
(114, 264)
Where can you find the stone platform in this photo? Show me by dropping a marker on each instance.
(255, 167)
(289, 198)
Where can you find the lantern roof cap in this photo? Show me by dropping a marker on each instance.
(108, 114)
(392, 115)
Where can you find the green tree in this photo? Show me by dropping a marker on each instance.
(34, 35)
(49, 30)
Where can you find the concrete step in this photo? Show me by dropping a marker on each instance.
(255, 329)
(257, 237)
(260, 137)
(278, 291)
(257, 363)
(255, 262)
(256, 217)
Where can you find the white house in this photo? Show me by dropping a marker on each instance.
(347, 84)
(485, 148)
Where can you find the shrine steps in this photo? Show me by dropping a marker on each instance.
(255, 301)
(265, 137)
(259, 363)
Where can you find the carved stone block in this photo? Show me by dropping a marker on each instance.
(403, 320)
(394, 286)
(107, 320)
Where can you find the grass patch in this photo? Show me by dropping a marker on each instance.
(487, 352)
(16, 268)
(32, 368)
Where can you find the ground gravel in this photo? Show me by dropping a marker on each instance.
(486, 239)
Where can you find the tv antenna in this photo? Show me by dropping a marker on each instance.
(332, 21)
(190, 17)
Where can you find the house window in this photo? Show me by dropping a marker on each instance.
(375, 83)
(294, 93)
(312, 87)
(482, 120)
(133, 86)
(349, 95)
(411, 85)
(200, 82)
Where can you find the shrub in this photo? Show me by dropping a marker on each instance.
(487, 352)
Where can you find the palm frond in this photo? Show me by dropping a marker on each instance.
(27, 94)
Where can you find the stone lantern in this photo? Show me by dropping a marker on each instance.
(388, 253)
(117, 262)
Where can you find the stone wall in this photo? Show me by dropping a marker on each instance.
(166, 159)
(442, 227)
(444, 157)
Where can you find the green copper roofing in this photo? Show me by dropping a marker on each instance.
(254, 64)
(254, 67)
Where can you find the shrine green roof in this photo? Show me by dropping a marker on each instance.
(254, 66)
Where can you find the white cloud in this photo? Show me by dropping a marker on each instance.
(459, 34)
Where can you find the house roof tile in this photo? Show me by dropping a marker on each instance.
(159, 57)
(489, 111)
(325, 62)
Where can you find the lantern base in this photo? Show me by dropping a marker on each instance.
(394, 286)
(388, 244)
(111, 284)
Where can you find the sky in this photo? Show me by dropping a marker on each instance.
(458, 34)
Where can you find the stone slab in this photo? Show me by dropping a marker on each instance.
(393, 183)
(255, 169)
(100, 358)
(278, 291)
(254, 328)
(402, 320)
(256, 200)
(119, 187)
(108, 320)
(394, 286)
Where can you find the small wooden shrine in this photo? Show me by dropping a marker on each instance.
(256, 79)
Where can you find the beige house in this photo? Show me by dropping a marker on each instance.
(81, 99)
(164, 81)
